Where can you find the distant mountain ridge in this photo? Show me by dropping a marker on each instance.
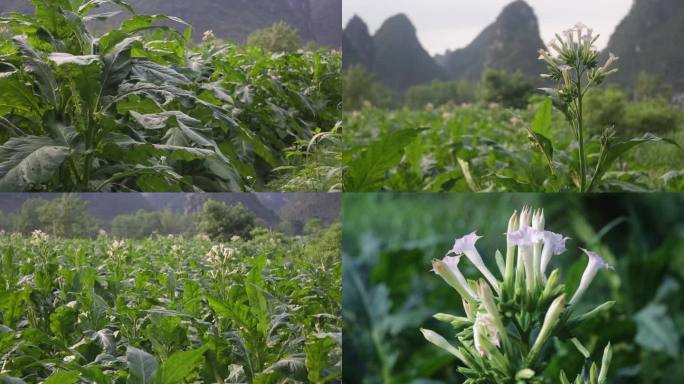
(398, 59)
(648, 39)
(511, 43)
(316, 20)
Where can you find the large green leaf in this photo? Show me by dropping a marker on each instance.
(152, 72)
(367, 171)
(117, 65)
(16, 97)
(141, 366)
(179, 366)
(35, 64)
(29, 161)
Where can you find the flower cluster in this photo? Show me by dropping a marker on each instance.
(525, 306)
(39, 237)
(219, 254)
(574, 56)
(117, 248)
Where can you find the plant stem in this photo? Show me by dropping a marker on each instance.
(580, 133)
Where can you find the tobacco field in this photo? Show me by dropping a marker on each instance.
(170, 309)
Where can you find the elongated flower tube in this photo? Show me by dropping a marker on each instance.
(538, 224)
(447, 268)
(510, 247)
(550, 319)
(466, 246)
(596, 262)
(554, 244)
(525, 239)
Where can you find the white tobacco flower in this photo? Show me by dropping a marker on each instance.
(554, 244)
(485, 334)
(38, 237)
(596, 262)
(611, 59)
(466, 246)
(447, 268)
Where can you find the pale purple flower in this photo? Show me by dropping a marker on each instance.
(525, 237)
(554, 244)
(596, 263)
(466, 246)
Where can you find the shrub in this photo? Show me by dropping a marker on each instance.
(440, 93)
(611, 107)
(221, 221)
(361, 87)
(280, 37)
(509, 89)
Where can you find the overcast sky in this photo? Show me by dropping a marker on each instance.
(450, 24)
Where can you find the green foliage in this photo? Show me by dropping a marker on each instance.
(610, 107)
(481, 148)
(66, 216)
(136, 109)
(168, 310)
(367, 169)
(221, 221)
(361, 88)
(505, 88)
(280, 37)
(142, 224)
(439, 93)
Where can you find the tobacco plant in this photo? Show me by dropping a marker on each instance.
(573, 64)
(170, 310)
(512, 320)
(136, 108)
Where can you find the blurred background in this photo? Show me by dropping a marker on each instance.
(389, 292)
(139, 215)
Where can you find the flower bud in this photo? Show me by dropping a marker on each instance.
(550, 320)
(441, 342)
(448, 270)
(605, 364)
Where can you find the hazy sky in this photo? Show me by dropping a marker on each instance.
(450, 24)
